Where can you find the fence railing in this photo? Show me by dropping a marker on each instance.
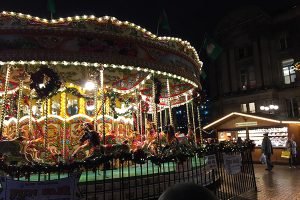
(125, 178)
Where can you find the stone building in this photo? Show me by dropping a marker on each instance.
(256, 71)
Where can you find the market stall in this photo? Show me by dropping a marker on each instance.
(234, 125)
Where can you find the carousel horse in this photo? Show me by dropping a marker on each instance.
(155, 144)
(182, 138)
(19, 150)
(190, 135)
(55, 154)
(136, 143)
(90, 140)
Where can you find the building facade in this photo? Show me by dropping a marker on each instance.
(256, 71)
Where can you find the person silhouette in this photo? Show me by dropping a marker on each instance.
(267, 150)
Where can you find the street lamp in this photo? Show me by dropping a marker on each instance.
(269, 108)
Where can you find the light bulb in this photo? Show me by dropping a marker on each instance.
(89, 85)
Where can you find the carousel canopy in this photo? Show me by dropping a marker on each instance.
(74, 47)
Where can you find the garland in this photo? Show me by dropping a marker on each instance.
(173, 153)
(111, 95)
(72, 91)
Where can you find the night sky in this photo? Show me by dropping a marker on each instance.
(187, 19)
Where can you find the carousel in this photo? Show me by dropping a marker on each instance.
(77, 82)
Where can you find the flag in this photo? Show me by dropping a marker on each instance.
(163, 24)
(203, 74)
(51, 6)
(213, 50)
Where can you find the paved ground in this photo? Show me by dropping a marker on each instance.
(282, 183)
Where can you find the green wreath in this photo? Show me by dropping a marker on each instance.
(46, 82)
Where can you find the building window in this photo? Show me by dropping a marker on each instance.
(252, 107)
(244, 108)
(248, 107)
(288, 69)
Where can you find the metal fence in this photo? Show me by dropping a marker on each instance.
(111, 178)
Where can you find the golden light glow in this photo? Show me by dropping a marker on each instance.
(82, 106)
(63, 106)
(49, 106)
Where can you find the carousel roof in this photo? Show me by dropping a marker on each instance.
(129, 53)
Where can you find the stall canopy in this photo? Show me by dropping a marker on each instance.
(237, 120)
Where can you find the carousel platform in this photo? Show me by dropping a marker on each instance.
(147, 169)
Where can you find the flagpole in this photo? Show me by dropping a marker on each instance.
(203, 42)
(157, 27)
(163, 21)
(51, 8)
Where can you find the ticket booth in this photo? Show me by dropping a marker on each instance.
(235, 125)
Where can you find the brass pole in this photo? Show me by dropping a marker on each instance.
(169, 103)
(3, 109)
(19, 108)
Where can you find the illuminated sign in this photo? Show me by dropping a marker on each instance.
(240, 124)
